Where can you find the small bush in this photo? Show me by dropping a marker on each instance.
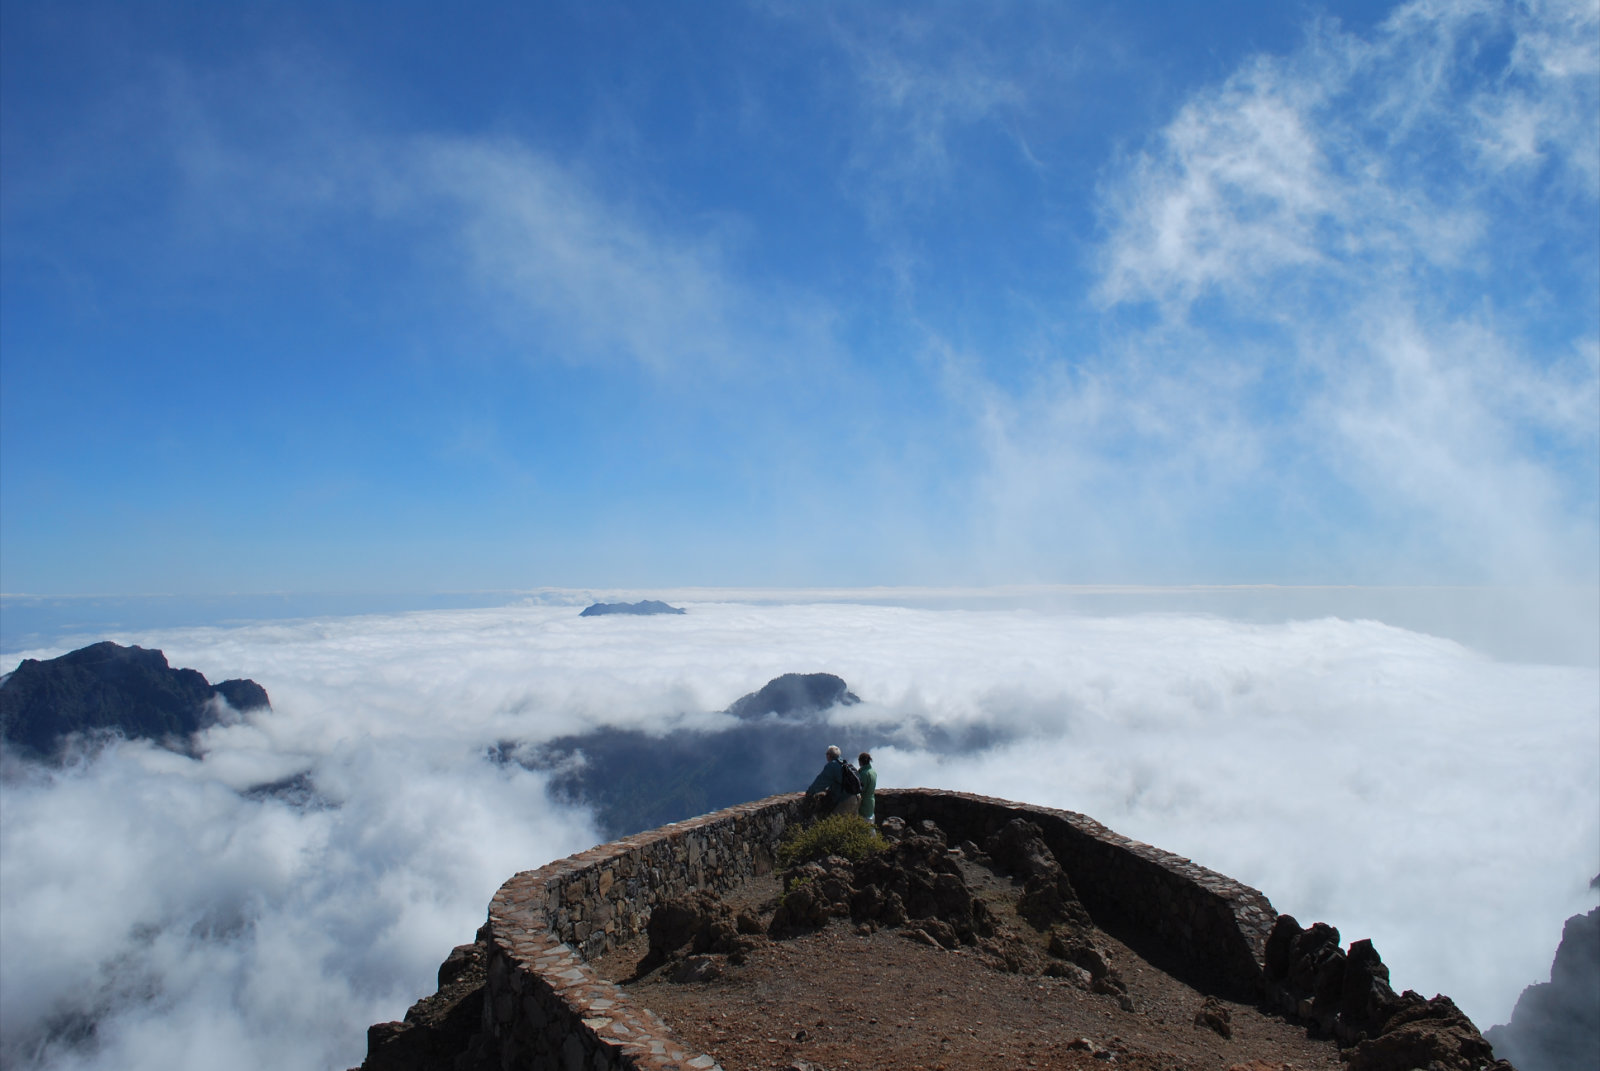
(783, 901)
(848, 835)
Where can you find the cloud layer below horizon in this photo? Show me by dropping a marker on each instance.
(1395, 784)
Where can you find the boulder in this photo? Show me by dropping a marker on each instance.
(1346, 995)
(692, 921)
(1366, 1002)
(1047, 895)
(1215, 1016)
(1433, 1034)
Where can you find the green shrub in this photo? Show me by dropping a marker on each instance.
(848, 835)
(792, 885)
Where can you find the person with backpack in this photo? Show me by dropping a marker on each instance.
(869, 786)
(839, 784)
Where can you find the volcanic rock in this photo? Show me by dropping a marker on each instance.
(1425, 1033)
(439, 1030)
(1347, 996)
(1047, 896)
(1214, 1015)
(687, 929)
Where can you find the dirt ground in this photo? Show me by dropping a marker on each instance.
(849, 997)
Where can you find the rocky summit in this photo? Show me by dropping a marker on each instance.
(899, 949)
(108, 688)
(795, 694)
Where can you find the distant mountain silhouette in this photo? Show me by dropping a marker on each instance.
(106, 687)
(649, 606)
(1555, 1025)
(795, 693)
(636, 780)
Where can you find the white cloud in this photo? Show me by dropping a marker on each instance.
(918, 89)
(1370, 349)
(592, 280)
(279, 153)
(1395, 784)
(1361, 159)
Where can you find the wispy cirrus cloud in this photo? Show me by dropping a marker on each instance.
(1356, 157)
(919, 86)
(276, 154)
(1355, 331)
(598, 281)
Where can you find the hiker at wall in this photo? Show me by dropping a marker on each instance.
(831, 785)
(869, 785)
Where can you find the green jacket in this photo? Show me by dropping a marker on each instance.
(869, 789)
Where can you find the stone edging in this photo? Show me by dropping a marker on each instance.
(1202, 924)
(544, 1006)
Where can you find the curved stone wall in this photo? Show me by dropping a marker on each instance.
(1191, 921)
(544, 1006)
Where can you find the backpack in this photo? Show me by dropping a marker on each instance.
(849, 780)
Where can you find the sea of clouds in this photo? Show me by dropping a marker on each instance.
(1402, 786)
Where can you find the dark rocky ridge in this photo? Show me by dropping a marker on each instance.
(648, 606)
(1556, 1024)
(439, 1029)
(108, 688)
(795, 694)
(1346, 995)
(637, 780)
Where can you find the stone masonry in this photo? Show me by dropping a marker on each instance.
(545, 1007)
(1195, 922)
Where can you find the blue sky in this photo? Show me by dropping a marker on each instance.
(337, 297)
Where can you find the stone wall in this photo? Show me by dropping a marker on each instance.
(1192, 922)
(544, 1007)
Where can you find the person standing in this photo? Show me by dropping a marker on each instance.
(830, 782)
(869, 785)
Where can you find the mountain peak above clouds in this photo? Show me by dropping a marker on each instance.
(795, 693)
(639, 780)
(107, 687)
(648, 606)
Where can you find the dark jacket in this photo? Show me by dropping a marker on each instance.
(830, 780)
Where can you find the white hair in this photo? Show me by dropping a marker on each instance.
(833, 751)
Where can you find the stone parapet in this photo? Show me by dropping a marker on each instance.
(1193, 921)
(545, 1007)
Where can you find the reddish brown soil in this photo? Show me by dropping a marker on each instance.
(848, 998)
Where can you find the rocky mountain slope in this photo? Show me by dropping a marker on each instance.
(108, 688)
(638, 780)
(1556, 1024)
